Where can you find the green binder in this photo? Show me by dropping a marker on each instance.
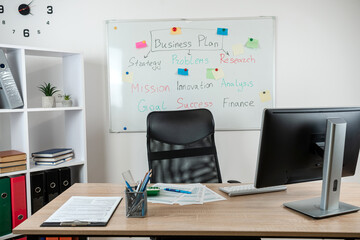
(5, 206)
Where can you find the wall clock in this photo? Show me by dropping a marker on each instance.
(26, 18)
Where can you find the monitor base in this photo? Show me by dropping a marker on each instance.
(311, 207)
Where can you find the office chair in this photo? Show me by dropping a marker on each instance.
(181, 147)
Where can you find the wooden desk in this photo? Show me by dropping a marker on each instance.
(252, 215)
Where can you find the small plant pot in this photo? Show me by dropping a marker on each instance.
(67, 103)
(48, 102)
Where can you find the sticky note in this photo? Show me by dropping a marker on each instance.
(265, 96)
(222, 31)
(209, 74)
(218, 73)
(238, 49)
(175, 31)
(183, 71)
(252, 43)
(141, 44)
(128, 77)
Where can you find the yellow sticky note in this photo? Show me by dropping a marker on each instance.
(265, 96)
(128, 77)
(218, 73)
(238, 49)
(175, 31)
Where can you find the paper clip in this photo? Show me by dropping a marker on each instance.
(75, 223)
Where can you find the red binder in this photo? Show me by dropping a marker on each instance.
(18, 200)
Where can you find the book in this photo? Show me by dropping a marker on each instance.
(54, 163)
(52, 159)
(12, 164)
(53, 152)
(11, 155)
(13, 169)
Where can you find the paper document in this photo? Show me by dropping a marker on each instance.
(199, 194)
(84, 211)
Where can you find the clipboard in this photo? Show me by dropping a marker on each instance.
(80, 211)
(73, 224)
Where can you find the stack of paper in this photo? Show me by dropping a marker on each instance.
(199, 194)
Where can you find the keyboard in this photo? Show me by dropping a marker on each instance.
(249, 189)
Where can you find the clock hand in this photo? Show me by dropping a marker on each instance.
(20, 10)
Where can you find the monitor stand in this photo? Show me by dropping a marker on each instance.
(329, 205)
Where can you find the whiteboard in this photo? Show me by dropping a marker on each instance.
(224, 65)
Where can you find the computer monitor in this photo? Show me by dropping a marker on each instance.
(301, 145)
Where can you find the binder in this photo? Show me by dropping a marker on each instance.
(5, 206)
(9, 93)
(37, 191)
(18, 200)
(64, 178)
(51, 184)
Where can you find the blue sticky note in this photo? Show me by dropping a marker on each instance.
(222, 31)
(183, 71)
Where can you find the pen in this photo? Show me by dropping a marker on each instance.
(176, 190)
(128, 186)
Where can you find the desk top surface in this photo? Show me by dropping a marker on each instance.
(251, 215)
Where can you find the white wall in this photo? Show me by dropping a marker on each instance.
(317, 61)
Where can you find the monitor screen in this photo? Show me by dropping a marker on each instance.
(290, 144)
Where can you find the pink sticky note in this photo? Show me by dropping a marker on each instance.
(141, 44)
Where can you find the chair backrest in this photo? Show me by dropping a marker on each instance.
(181, 147)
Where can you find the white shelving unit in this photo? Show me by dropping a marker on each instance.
(33, 128)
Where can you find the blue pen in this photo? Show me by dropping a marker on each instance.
(176, 190)
(128, 186)
(147, 178)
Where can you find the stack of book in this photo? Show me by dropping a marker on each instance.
(12, 160)
(53, 156)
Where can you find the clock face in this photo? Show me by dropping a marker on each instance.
(26, 18)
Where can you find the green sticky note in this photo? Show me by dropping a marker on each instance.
(252, 43)
(209, 74)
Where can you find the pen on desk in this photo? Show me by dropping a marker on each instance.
(177, 190)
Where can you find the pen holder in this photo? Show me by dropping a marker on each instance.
(135, 203)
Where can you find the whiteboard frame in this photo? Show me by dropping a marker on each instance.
(273, 100)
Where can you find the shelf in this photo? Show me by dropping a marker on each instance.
(13, 173)
(55, 109)
(33, 128)
(11, 110)
(71, 163)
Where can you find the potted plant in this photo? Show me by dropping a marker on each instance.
(48, 90)
(67, 102)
